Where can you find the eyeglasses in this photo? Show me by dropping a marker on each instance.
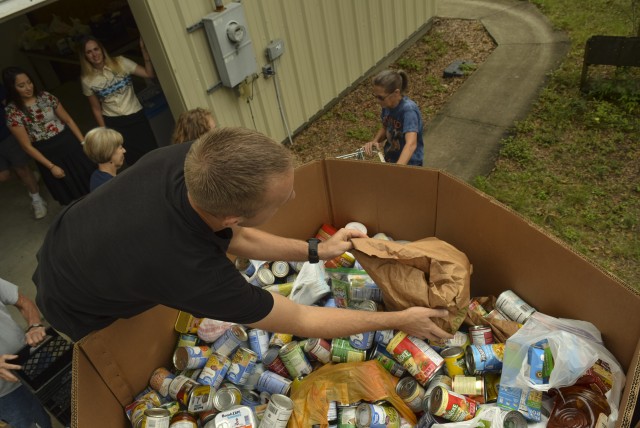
(382, 97)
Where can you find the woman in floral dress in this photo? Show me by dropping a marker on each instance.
(49, 135)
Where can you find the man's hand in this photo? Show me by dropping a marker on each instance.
(416, 321)
(368, 148)
(35, 335)
(338, 243)
(5, 368)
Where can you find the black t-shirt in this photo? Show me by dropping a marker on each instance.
(136, 242)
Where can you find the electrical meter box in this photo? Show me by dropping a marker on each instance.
(231, 44)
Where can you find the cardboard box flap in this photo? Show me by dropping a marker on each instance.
(508, 252)
(629, 414)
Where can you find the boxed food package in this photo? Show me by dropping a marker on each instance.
(507, 252)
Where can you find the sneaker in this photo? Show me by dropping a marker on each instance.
(39, 208)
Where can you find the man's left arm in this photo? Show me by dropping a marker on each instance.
(259, 245)
(35, 330)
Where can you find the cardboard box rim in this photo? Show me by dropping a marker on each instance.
(506, 250)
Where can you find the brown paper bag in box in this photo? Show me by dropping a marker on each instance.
(502, 330)
(344, 383)
(428, 272)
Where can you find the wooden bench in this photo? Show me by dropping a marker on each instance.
(610, 50)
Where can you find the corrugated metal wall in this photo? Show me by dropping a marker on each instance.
(329, 44)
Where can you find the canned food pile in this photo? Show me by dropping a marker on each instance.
(243, 377)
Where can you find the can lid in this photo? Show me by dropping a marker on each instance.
(265, 276)
(282, 401)
(270, 356)
(280, 269)
(288, 347)
(224, 398)
(453, 351)
(406, 386)
(435, 400)
(157, 412)
(363, 415)
(469, 360)
(239, 333)
(311, 343)
(180, 358)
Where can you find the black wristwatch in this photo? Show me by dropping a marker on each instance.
(313, 250)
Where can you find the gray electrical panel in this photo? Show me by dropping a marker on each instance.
(231, 44)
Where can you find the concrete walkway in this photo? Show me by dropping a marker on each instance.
(463, 139)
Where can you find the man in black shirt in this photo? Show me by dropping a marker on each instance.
(159, 234)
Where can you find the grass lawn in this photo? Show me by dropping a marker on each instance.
(573, 166)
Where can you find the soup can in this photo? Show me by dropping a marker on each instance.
(160, 380)
(383, 337)
(510, 304)
(362, 341)
(273, 383)
(176, 385)
(343, 352)
(232, 338)
(272, 361)
(380, 354)
(416, 356)
(377, 416)
(250, 398)
(183, 420)
(214, 370)
(241, 366)
(280, 339)
(191, 357)
(258, 341)
(411, 393)
(438, 380)
(154, 418)
(226, 397)
(468, 385)
(451, 406)
(278, 412)
(280, 270)
(347, 416)
(481, 335)
(454, 361)
(187, 339)
(320, 349)
(135, 410)
(200, 399)
(484, 358)
(294, 360)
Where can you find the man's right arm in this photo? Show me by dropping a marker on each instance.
(312, 321)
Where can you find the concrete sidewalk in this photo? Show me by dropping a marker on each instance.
(463, 139)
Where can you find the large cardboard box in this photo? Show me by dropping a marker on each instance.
(507, 252)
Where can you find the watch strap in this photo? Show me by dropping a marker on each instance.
(313, 250)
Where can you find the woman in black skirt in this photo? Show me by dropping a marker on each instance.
(107, 83)
(48, 134)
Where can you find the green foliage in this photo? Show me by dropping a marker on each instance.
(409, 64)
(369, 115)
(438, 46)
(360, 134)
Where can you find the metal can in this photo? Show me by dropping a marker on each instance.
(320, 349)
(294, 360)
(242, 365)
(200, 399)
(468, 385)
(514, 307)
(245, 266)
(186, 339)
(325, 232)
(411, 393)
(377, 416)
(258, 341)
(230, 341)
(484, 358)
(172, 406)
(273, 383)
(491, 385)
(272, 361)
(454, 361)
(176, 385)
(280, 270)
(135, 410)
(250, 398)
(264, 277)
(207, 419)
(343, 352)
(383, 337)
(280, 339)
(416, 356)
(481, 335)
(191, 357)
(477, 308)
(227, 397)
(451, 406)
(154, 418)
(278, 412)
(237, 416)
(182, 396)
(347, 416)
(496, 315)
(160, 380)
(438, 380)
(513, 419)
(460, 339)
(362, 340)
(380, 354)
(214, 370)
(187, 323)
(183, 420)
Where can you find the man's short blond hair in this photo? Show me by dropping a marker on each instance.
(227, 170)
(101, 143)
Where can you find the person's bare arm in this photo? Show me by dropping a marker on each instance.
(31, 314)
(96, 109)
(410, 144)
(377, 139)
(147, 71)
(6, 367)
(313, 321)
(258, 245)
(25, 142)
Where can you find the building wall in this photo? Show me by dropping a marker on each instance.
(329, 45)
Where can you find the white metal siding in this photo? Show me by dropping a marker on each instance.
(329, 44)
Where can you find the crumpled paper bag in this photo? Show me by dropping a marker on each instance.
(501, 329)
(428, 272)
(344, 383)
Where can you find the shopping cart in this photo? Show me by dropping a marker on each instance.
(360, 155)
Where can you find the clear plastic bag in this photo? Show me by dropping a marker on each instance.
(575, 346)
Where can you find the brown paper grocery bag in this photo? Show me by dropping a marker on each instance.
(501, 329)
(428, 272)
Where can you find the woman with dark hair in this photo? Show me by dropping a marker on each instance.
(48, 134)
(107, 83)
(401, 120)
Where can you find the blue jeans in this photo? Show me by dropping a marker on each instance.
(21, 409)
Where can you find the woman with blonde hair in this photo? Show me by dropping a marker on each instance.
(192, 124)
(107, 83)
(104, 147)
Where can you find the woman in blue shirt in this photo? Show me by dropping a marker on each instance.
(401, 120)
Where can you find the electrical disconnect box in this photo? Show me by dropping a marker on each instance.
(231, 44)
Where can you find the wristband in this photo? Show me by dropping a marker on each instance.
(313, 250)
(33, 326)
